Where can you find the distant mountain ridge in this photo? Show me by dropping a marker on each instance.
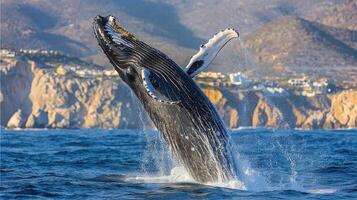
(26, 26)
(296, 44)
(319, 38)
(343, 15)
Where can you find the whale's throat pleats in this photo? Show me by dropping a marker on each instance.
(159, 89)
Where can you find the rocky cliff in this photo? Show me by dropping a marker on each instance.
(255, 109)
(34, 96)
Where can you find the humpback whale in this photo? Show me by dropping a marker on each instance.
(186, 119)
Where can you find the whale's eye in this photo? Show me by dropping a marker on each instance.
(155, 83)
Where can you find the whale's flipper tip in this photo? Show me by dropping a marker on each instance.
(208, 51)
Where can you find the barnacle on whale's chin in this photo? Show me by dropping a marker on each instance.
(112, 22)
(108, 31)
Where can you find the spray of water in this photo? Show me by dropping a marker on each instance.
(155, 159)
(293, 184)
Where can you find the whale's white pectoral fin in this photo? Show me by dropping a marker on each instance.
(209, 51)
(158, 93)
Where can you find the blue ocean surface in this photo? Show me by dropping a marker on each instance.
(135, 164)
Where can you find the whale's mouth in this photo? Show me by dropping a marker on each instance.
(100, 33)
(107, 30)
(114, 40)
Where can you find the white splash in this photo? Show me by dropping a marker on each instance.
(322, 191)
(180, 175)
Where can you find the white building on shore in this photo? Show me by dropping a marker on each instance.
(238, 79)
(6, 53)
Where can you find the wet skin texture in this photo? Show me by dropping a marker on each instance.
(186, 119)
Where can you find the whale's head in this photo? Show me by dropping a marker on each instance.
(139, 65)
(116, 43)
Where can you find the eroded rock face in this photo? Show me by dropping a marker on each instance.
(258, 110)
(16, 79)
(48, 99)
(343, 112)
(33, 97)
(37, 120)
(75, 102)
(16, 120)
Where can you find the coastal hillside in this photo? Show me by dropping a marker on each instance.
(66, 26)
(179, 27)
(34, 95)
(340, 15)
(295, 45)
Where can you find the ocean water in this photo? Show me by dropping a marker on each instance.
(135, 164)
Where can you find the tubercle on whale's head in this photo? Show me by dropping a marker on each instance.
(116, 43)
(120, 29)
(100, 24)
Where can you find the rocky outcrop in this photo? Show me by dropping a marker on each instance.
(16, 79)
(259, 110)
(38, 120)
(40, 97)
(16, 120)
(35, 97)
(343, 112)
(74, 102)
